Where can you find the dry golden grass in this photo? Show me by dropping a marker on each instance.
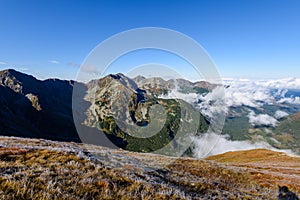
(39, 169)
(266, 167)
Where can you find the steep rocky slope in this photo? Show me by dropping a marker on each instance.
(129, 115)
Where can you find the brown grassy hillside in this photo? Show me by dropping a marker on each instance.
(41, 169)
(267, 167)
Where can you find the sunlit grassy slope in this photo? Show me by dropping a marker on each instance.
(266, 167)
(41, 169)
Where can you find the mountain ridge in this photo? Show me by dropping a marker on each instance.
(43, 109)
(35, 108)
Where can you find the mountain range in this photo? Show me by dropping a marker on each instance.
(125, 111)
(76, 113)
(43, 109)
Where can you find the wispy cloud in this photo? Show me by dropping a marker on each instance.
(280, 114)
(73, 64)
(91, 69)
(54, 61)
(287, 83)
(290, 100)
(261, 119)
(2, 63)
(24, 69)
(87, 68)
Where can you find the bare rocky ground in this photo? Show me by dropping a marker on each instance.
(43, 169)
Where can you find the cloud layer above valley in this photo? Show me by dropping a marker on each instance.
(261, 119)
(213, 144)
(253, 96)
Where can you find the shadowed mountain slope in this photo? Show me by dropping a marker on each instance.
(34, 108)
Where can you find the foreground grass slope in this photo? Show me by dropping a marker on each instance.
(267, 167)
(41, 169)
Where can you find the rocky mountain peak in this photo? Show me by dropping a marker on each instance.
(7, 79)
(15, 80)
(113, 83)
(139, 78)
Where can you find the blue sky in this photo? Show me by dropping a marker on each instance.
(245, 38)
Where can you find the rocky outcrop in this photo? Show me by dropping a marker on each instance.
(34, 101)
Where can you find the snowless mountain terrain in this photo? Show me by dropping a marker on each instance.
(258, 114)
(44, 169)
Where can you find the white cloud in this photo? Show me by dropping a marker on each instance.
(3, 63)
(238, 94)
(54, 61)
(247, 94)
(258, 93)
(280, 114)
(287, 83)
(253, 94)
(261, 119)
(243, 92)
(23, 69)
(213, 103)
(212, 144)
(91, 69)
(174, 94)
(290, 100)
